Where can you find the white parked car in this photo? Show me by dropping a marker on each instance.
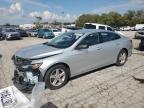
(139, 26)
(63, 30)
(56, 32)
(97, 26)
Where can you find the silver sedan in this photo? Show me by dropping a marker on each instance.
(71, 54)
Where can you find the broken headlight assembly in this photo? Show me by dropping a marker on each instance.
(35, 66)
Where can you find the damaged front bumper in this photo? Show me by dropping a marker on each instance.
(26, 80)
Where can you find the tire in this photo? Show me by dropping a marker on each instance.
(141, 45)
(122, 58)
(52, 82)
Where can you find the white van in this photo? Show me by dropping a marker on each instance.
(97, 26)
(139, 26)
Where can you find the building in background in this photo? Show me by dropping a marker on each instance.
(27, 26)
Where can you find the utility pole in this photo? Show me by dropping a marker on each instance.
(62, 21)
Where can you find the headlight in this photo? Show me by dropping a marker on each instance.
(36, 66)
(9, 35)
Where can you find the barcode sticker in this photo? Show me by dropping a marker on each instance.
(7, 97)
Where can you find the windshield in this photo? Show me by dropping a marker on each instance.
(32, 30)
(65, 40)
(56, 30)
(46, 30)
(10, 30)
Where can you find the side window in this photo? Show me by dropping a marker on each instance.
(109, 28)
(102, 27)
(91, 39)
(107, 36)
(89, 26)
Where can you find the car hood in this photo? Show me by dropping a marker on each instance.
(38, 51)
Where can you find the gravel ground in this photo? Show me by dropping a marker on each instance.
(111, 87)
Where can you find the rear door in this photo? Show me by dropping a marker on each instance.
(109, 46)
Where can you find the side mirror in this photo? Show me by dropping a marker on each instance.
(82, 46)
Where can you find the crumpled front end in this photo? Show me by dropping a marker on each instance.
(25, 76)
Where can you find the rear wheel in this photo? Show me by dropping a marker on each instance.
(56, 77)
(122, 58)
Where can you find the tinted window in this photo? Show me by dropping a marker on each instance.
(89, 26)
(91, 39)
(105, 36)
(110, 29)
(102, 27)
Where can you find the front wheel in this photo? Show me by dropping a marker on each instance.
(56, 77)
(122, 58)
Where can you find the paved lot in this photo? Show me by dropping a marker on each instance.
(111, 87)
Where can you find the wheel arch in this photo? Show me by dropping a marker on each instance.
(60, 63)
(126, 50)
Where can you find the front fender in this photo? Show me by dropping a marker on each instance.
(51, 61)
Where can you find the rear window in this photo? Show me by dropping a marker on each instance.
(89, 26)
(102, 27)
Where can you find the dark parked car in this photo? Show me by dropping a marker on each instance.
(45, 33)
(23, 33)
(1, 35)
(139, 34)
(11, 34)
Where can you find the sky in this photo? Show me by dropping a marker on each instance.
(25, 11)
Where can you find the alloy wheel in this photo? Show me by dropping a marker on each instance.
(57, 77)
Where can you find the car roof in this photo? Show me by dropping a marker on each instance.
(89, 31)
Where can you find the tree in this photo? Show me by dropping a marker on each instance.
(7, 25)
(37, 23)
(114, 19)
